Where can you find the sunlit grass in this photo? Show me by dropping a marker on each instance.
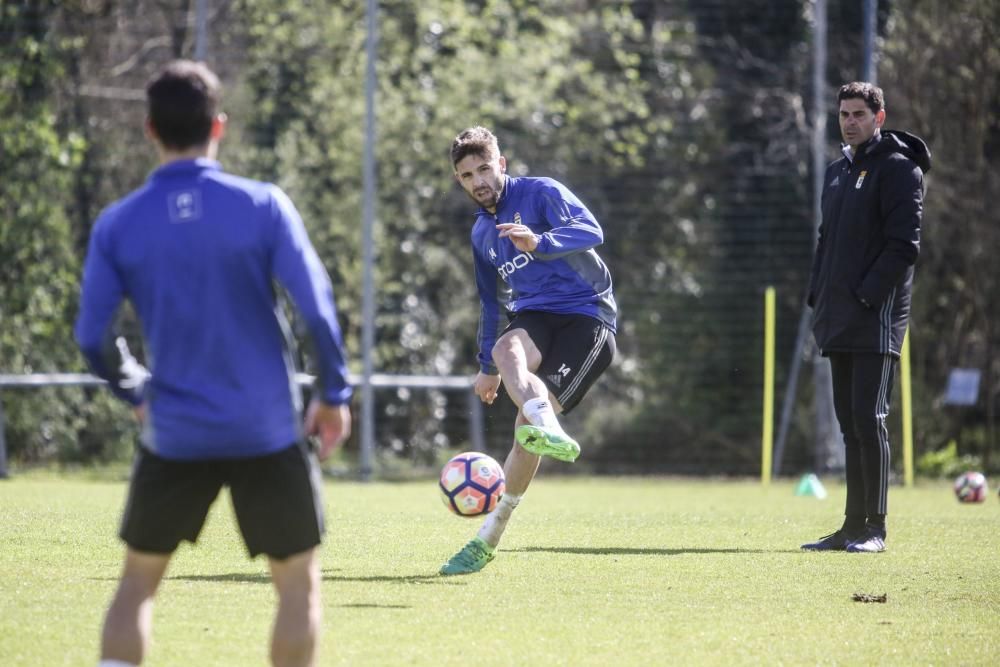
(591, 572)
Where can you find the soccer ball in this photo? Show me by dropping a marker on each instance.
(471, 484)
(971, 487)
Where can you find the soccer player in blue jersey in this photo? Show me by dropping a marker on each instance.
(547, 325)
(197, 252)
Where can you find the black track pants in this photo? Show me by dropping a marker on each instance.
(862, 388)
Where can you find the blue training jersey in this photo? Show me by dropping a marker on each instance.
(563, 275)
(196, 250)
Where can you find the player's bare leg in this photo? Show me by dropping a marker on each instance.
(519, 470)
(129, 621)
(297, 622)
(516, 356)
(521, 465)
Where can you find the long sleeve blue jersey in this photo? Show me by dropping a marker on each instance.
(564, 274)
(196, 251)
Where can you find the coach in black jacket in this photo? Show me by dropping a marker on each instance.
(862, 275)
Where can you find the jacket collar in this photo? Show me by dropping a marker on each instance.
(863, 149)
(178, 167)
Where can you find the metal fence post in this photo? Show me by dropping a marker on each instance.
(3, 446)
(476, 423)
(369, 221)
(201, 30)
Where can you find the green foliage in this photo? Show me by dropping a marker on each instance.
(39, 260)
(699, 248)
(682, 125)
(938, 58)
(564, 85)
(946, 462)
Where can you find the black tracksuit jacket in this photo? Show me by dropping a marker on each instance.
(869, 240)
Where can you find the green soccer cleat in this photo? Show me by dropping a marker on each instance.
(546, 442)
(472, 558)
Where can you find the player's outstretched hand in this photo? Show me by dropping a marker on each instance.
(331, 424)
(521, 236)
(486, 387)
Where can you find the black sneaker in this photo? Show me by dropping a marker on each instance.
(837, 541)
(872, 542)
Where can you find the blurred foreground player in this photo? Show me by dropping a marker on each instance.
(196, 250)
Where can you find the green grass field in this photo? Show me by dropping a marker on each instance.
(591, 572)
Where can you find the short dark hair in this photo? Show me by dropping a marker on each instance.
(474, 141)
(862, 90)
(182, 100)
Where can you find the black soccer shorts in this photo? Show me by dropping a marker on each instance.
(276, 499)
(576, 350)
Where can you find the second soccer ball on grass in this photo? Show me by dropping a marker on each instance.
(971, 487)
(471, 484)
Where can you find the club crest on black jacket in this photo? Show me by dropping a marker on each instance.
(869, 239)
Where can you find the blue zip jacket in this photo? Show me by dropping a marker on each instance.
(562, 275)
(195, 251)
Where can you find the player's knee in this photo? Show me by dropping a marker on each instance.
(868, 429)
(503, 352)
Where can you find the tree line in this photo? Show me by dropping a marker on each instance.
(683, 125)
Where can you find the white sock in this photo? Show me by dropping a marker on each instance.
(496, 521)
(539, 412)
(114, 663)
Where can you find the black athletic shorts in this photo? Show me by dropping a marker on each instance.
(576, 350)
(276, 498)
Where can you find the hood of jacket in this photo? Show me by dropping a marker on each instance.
(910, 145)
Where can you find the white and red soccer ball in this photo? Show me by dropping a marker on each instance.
(471, 484)
(971, 487)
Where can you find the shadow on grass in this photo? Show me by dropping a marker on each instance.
(400, 579)
(645, 551)
(235, 577)
(328, 574)
(265, 578)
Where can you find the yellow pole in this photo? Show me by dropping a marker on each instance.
(767, 437)
(906, 398)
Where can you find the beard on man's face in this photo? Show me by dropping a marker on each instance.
(487, 195)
